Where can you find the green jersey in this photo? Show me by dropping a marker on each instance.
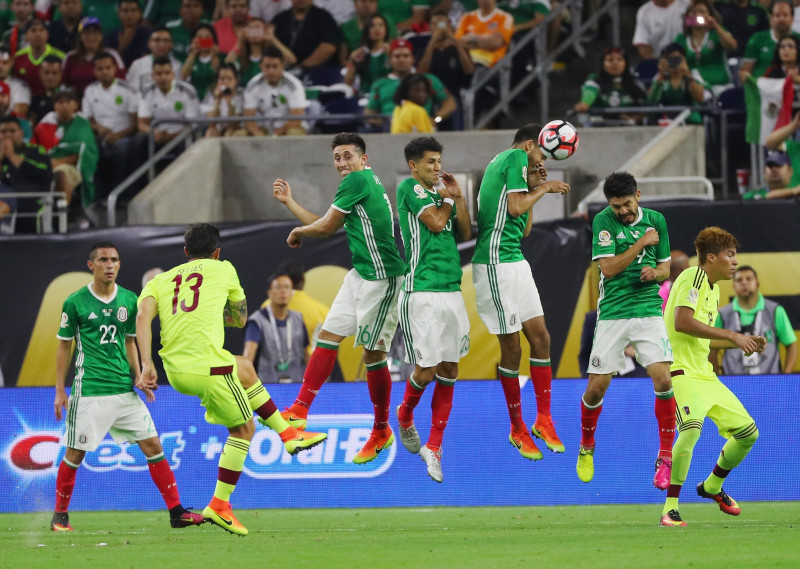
(434, 264)
(689, 353)
(203, 76)
(499, 233)
(755, 194)
(400, 10)
(792, 148)
(523, 11)
(710, 61)
(181, 38)
(760, 49)
(99, 329)
(381, 96)
(369, 226)
(625, 295)
(619, 95)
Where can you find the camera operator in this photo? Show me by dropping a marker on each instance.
(674, 84)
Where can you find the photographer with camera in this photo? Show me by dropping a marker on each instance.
(674, 85)
(225, 100)
(707, 46)
(202, 62)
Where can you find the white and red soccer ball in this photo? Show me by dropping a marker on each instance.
(558, 140)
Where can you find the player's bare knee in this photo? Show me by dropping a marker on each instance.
(151, 447)
(373, 356)
(510, 351)
(246, 372)
(74, 455)
(447, 369)
(424, 375)
(245, 431)
(662, 384)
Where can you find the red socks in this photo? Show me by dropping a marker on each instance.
(589, 417)
(665, 415)
(379, 382)
(164, 478)
(405, 414)
(509, 379)
(542, 378)
(441, 404)
(319, 368)
(65, 482)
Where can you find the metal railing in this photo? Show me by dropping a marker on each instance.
(538, 35)
(54, 205)
(154, 156)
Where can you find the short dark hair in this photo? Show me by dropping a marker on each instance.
(528, 132)
(230, 67)
(672, 48)
(201, 240)
(121, 2)
(10, 118)
(277, 274)
(415, 150)
(746, 268)
(161, 28)
(344, 138)
(105, 55)
(776, 2)
(163, 60)
(619, 185)
(101, 245)
(272, 52)
(53, 59)
(296, 272)
(712, 241)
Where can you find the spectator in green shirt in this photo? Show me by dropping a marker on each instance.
(202, 62)
(761, 46)
(778, 175)
(783, 139)
(253, 40)
(353, 29)
(370, 61)
(182, 29)
(673, 85)
(614, 86)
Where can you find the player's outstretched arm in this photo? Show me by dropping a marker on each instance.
(685, 323)
(235, 314)
(144, 333)
(520, 202)
(612, 266)
(63, 354)
(325, 226)
(282, 192)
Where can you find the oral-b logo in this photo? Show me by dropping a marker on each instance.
(331, 459)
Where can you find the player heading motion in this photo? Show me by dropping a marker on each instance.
(507, 297)
(690, 314)
(101, 316)
(631, 245)
(365, 306)
(433, 213)
(194, 302)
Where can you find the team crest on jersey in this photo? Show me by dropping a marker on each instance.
(685, 409)
(122, 314)
(420, 191)
(693, 294)
(381, 345)
(604, 238)
(64, 319)
(596, 361)
(512, 320)
(418, 353)
(83, 438)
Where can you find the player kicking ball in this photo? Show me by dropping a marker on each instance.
(631, 247)
(690, 315)
(194, 302)
(102, 316)
(366, 305)
(432, 212)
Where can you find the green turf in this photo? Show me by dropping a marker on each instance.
(598, 537)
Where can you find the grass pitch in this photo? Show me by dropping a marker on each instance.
(767, 534)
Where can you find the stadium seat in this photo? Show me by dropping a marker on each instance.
(323, 75)
(645, 70)
(731, 99)
(345, 105)
(418, 43)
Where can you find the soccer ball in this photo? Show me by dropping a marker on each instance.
(558, 140)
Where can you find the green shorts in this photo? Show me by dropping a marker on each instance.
(220, 392)
(698, 398)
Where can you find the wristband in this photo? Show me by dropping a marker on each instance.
(451, 201)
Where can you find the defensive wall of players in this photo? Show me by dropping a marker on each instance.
(228, 179)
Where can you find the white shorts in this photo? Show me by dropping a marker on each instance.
(367, 310)
(125, 416)
(435, 327)
(648, 336)
(506, 296)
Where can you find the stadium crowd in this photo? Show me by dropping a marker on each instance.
(86, 79)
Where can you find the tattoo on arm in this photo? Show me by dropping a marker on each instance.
(235, 314)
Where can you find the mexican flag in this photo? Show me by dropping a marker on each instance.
(769, 106)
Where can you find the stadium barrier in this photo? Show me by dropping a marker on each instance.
(480, 467)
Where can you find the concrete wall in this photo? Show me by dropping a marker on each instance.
(231, 179)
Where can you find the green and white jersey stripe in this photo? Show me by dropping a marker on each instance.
(99, 328)
(434, 264)
(369, 226)
(499, 233)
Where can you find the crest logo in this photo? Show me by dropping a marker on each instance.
(122, 314)
(64, 319)
(512, 320)
(604, 238)
(596, 361)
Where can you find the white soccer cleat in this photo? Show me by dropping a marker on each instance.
(409, 436)
(433, 459)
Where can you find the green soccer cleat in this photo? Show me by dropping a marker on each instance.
(672, 519)
(585, 466)
(220, 513)
(304, 441)
(378, 441)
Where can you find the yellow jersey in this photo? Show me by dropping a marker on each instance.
(191, 299)
(690, 354)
